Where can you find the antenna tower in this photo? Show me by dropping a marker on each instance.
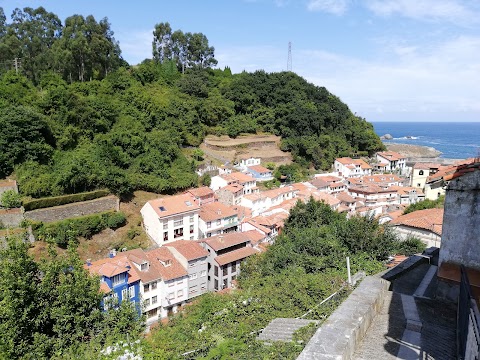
(289, 60)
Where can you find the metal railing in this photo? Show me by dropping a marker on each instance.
(468, 326)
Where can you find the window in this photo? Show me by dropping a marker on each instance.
(216, 284)
(177, 233)
(203, 286)
(420, 172)
(131, 292)
(192, 229)
(118, 279)
(154, 300)
(170, 284)
(124, 294)
(219, 222)
(165, 236)
(203, 273)
(209, 225)
(152, 313)
(192, 264)
(418, 184)
(191, 218)
(178, 222)
(146, 288)
(225, 283)
(209, 235)
(154, 285)
(171, 295)
(147, 302)
(179, 282)
(144, 267)
(225, 270)
(215, 270)
(192, 276)
(193, 289)
(234, 267)
(179, 293)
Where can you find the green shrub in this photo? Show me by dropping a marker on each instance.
(132, 233)
(62, 232)
(10, 199)
(63, 199)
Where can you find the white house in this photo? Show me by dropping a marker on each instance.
(248, 182)
(171, 218)
(392, 161)
(420, 173)
(347, 167)
(245, 161)
(260, 173)
(423, 224)
(217, 218)
(374, 195)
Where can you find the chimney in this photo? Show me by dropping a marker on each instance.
(89, 262)
(220, 238)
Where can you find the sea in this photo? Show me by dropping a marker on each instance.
(456, 140)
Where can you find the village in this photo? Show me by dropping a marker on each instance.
(201, 236)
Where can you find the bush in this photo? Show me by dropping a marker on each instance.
(63, 199)
(10, 199)
(69, 230)
(411, 246)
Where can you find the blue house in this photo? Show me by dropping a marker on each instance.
(260, 173)
(118, 282)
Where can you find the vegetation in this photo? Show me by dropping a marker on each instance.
(66, 231)
(305, 265)
(426, 204)
(62, 200)
(10, 199)
(51, 309)
(75, 117)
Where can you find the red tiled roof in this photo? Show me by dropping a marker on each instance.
(259, 169)
(190, 250)
(201, 191)
(168, 272)
(238, 176)
(104, 287)
(110, 267)
(177, 204)
(428, 219)
(236, 255)
(234, 188)
(426, 166)
(216, 210)
(224, 241)
(344, 197)
(391, 155)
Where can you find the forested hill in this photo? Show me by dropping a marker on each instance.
(75, 116)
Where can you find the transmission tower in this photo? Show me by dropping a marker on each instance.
(289, 59)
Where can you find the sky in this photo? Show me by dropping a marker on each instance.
(388, 60)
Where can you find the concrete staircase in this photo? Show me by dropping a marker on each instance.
(282, 329)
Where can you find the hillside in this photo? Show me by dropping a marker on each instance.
(70, 124)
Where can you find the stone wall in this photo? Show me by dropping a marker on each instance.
(11, 217)
(63, 212)
(342, 332)
(461, 221)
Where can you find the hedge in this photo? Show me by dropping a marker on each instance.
(86, 226)
(63, 199)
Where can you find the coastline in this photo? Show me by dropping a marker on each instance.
(418, 153)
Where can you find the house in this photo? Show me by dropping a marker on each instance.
(423, 224)
(268, 226)
(346, 201)
(420, 173)
(117, 280)
(260, 173)
(174, 284)
(369, 211)
(230, 195)
(217, 218)
(392, 161)
(437, 182)
(377, 179)
(248, 183)
(244, 161)
(374, 195)
(202, 195)
(408, 195)
(193, 257)
(226, 251)
(260, 202)
(171, 218)
(347, 167)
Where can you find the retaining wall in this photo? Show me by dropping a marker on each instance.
(342, 332)
(11, 217)
(77, 209)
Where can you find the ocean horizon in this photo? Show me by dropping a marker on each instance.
(455, 140)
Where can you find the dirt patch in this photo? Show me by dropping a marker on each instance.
(226, 141)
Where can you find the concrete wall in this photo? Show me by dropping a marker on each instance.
(461, 222)
(429, 238)
(11, 217)
(77, 209)
(343, 331)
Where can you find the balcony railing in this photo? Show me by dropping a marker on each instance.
(468, 327)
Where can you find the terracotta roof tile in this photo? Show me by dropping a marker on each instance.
(236, 255)
(177, 204)
(391, 155)
(164, 261)
(190, 250)
(344, 197)
(428, 219)
(259, 169)
(201, 191)
(224, 241)
(216, 210)
(238, 177)
(426, 166)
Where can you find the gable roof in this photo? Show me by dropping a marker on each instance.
(259, 169)
(235, 255)
(159, 257)
(428, 219)
(224, 241)
(391, 155)
(173, 205)
(238, 177)
(215, 211)
(201, 192)
(190, 250)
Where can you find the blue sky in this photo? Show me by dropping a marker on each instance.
(389, 60)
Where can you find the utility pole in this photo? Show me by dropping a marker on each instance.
(17, 63)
